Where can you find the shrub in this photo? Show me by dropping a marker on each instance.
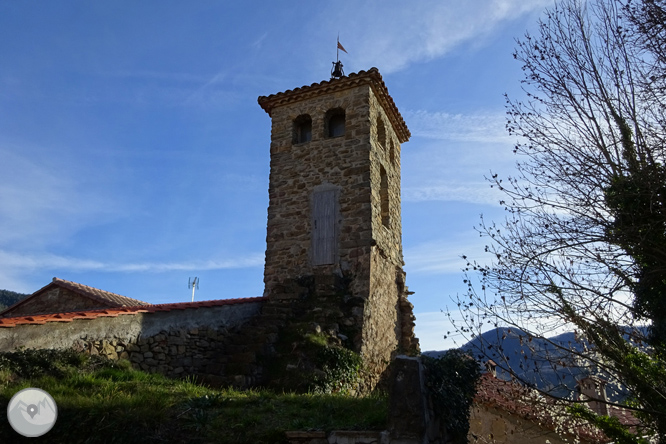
(451, 381)
(32, 363)
(341, 367)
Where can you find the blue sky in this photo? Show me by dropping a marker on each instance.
(134, 154)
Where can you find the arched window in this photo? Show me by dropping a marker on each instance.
(392, 152)
(384, 197)
(335, 123)
(381, 132)
(302, 129)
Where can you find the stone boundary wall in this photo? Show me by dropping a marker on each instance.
(412, 419)
(178, 342)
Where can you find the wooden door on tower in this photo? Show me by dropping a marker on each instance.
(324, 226)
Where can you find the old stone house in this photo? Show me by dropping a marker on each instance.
(508, 412)
(333, 259)
(61, 296)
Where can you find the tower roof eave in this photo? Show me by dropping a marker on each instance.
(371, 77)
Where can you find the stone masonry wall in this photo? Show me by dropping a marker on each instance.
(296, 169)
(56, 300)
(388, 318)
(385, 155)
(194, 341)
(489, 425)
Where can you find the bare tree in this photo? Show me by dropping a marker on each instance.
(583, 246)
(649, 20)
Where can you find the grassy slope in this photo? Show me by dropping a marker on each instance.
(103, 402)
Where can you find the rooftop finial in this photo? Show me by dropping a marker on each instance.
(337, 71)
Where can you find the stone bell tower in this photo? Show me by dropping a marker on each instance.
(334, 222)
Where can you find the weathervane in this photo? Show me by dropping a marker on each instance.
(337, 71)
(193, 284)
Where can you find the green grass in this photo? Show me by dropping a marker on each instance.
(104, 402)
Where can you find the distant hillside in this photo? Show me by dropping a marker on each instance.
(532, 359)
(513, 347)
(9, 298)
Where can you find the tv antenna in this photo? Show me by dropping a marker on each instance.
(193, 284)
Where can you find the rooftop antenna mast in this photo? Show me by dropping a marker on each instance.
(337, 71)
(193, 284)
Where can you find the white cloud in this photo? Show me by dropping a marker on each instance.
(391, 35)
(471, 192)
(47, 261)
(445, 255)
(483, 126)
(431, 327)
(452, 153)
(259, 41)
(42, 202)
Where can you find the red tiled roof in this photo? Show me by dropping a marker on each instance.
(370, 77)
(104, 298)
(507, 395)
(97, 294)
(526, 403)
(113, 312)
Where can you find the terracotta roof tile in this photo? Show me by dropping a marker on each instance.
(114, 312)
(113, 299)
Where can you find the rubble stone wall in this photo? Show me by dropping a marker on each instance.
(193, 341)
